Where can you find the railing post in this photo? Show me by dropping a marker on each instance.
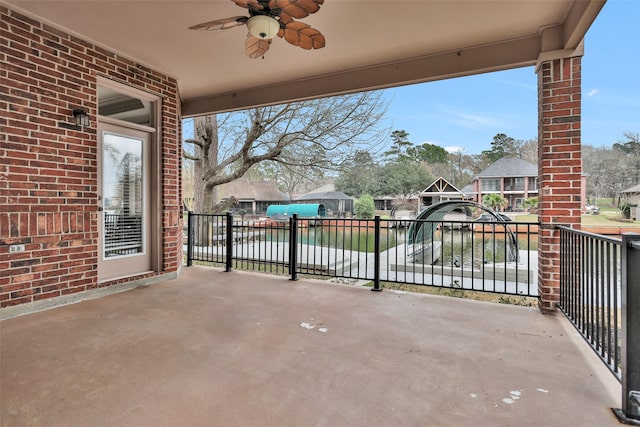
(293, 247)
(229, 251)
(189, 238)
(630, 300)
(376, 255)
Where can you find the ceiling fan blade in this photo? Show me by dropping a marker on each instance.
(303, 35)
(249, 4)
(255, 47)
(285, 18)
(296, 8)
(221, 24)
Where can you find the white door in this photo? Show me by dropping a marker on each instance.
(124, 244)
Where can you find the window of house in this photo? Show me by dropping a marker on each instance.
(126, 107)
(491, 184)
(514, 184)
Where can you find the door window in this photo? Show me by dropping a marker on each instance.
(123, 195)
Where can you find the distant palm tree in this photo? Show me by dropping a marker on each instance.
(494, 201)
(531, 204)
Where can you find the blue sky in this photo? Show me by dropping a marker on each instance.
(467, 112)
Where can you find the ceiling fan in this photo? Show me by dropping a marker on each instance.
(268, 18)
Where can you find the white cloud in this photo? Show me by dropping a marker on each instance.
(473, 120)
(454, 149)
(592, 92)
(508, 82)
(470, 120)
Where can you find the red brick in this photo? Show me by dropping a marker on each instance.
(47, 72)
(559, 165)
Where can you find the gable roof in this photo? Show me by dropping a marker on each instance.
(243, 189)
(441, 186)
(509, 167)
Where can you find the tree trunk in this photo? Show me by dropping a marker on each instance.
(198, 183)
(210, 197)
(205, 130)
(205, 198)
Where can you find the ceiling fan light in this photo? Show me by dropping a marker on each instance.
(263, 27)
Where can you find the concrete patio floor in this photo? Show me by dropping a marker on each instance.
(237, 349)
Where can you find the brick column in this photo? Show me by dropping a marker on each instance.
(559, 167)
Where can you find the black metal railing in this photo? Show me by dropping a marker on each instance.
(481, 256)
(207, 238)
(590, 291)
(600, 294)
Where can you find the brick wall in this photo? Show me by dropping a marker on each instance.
(48, 167)
(559, 167)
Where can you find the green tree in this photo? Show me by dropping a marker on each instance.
(400, 146)
(362, 177)
(506, 146)
(403, 178)
(459, 168)
(428, 153)
(364, 207)
(405, 172)
(502, 146)
(531, 203)
(494, 201)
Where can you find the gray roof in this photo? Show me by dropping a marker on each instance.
(632, 190)
(243, 189)
(468, 189)
(509, 167)
(323, 189)
(327, 195)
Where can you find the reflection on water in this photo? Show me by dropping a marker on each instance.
(459, 247)
(469, 248)
(360, 239)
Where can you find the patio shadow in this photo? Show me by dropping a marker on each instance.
(238, 349)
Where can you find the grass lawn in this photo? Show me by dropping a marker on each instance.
(525, 218)
(607, 217)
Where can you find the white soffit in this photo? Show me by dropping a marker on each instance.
(370, 44)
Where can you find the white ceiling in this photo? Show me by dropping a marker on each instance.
(369, 43)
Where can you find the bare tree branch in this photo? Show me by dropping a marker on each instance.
(315, 134)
